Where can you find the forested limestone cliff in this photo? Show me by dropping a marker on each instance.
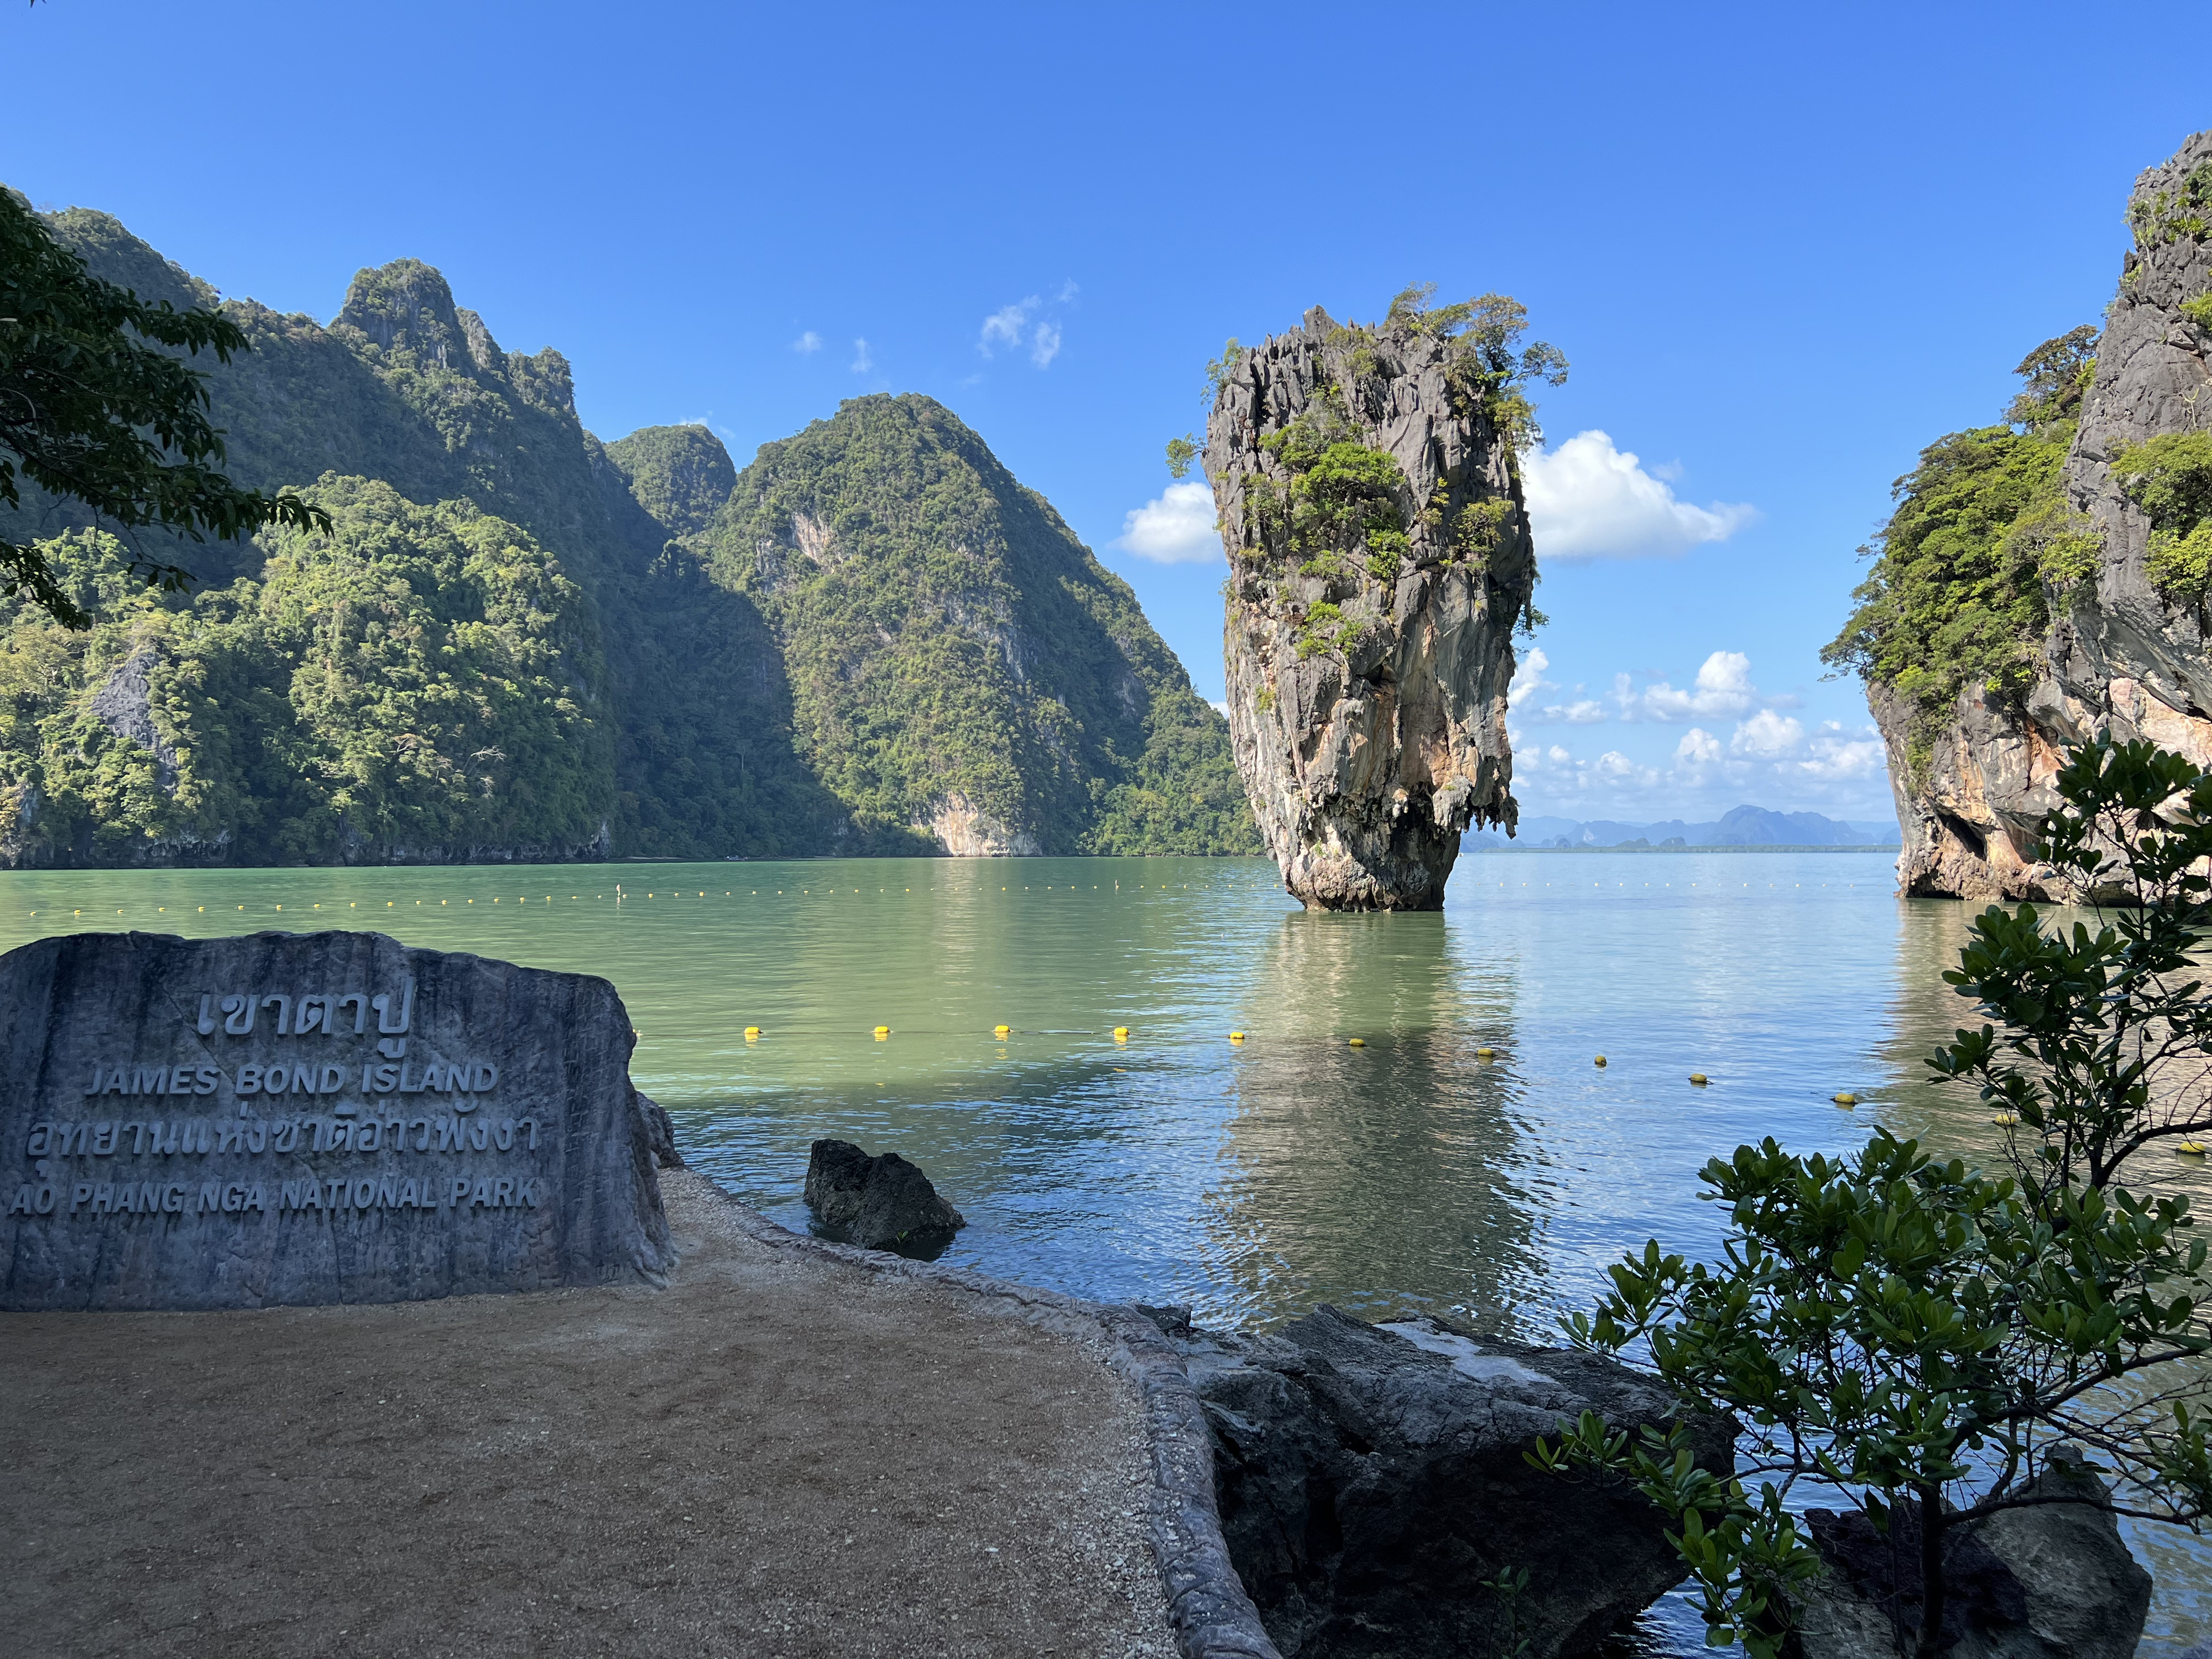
(960, 665)
(2047, 579)
(519, 643)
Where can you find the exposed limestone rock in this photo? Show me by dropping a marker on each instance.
(1367, 667)
(2121, 659)
(1371, 1477)
(966, 831)
(125, 705)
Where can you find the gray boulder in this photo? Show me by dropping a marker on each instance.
(2053, 1581)
(303, 1118)
(1371, 1477)
(882, 1203)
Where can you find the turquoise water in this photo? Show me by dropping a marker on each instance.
(1250, 1179)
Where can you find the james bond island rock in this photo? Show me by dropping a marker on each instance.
(884, 1203)
(312, 1118)
(2047, 579)
(1371, 506)
(1371, 1477)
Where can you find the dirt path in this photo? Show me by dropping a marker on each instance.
(780, 1454)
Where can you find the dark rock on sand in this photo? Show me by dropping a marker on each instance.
(1370, 1478)
(882, 1203)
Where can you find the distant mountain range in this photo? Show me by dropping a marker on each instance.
(1745, 826)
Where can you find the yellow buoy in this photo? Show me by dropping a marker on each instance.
(1486, 1054)
(2191, 1149)
(1357, 1043)
(1000, 1030)
(1846, 1100)
(2005, 1120)
(752, 1033)
(1121, 1034)
(1699, 1078)
(882, 1031)
(1599, 1061)
(1236, 1037)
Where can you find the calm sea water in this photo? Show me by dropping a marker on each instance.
(1250, 1179)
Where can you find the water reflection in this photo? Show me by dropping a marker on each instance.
(1383, 1177)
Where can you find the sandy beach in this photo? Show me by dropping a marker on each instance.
(783, 1453)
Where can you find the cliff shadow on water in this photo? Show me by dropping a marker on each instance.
(1399, 1164)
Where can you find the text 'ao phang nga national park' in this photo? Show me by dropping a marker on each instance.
(604, 1051)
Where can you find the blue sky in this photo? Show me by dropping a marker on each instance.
(1783, 248)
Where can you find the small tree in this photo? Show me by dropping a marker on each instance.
(1914, 1338)
(92, 409)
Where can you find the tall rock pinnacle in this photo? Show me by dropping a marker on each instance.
(1379, 558)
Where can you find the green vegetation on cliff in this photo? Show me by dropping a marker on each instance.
(417, 683)
(2170, 478)
(952, 646)
(519, 642)
(1980, 540)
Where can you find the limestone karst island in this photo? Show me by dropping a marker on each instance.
(971, 835)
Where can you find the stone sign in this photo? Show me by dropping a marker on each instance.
(310, 1118)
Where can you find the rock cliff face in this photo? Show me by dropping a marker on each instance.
(2120, 656)
(1379, 558)
(878, 642)
(966, 678)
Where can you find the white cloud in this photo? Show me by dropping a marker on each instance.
(1723, 687)
(1068, 290)
(1528, 682)
(1697, 748)
(1528, 678)
(1589, 500)
(1766, 736)
(862, 362)
(1561, 772)
(1011, 326)
(1175, 528)
(807, 344)
(1831, 755)
(1006, 325)
(1769, 759)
